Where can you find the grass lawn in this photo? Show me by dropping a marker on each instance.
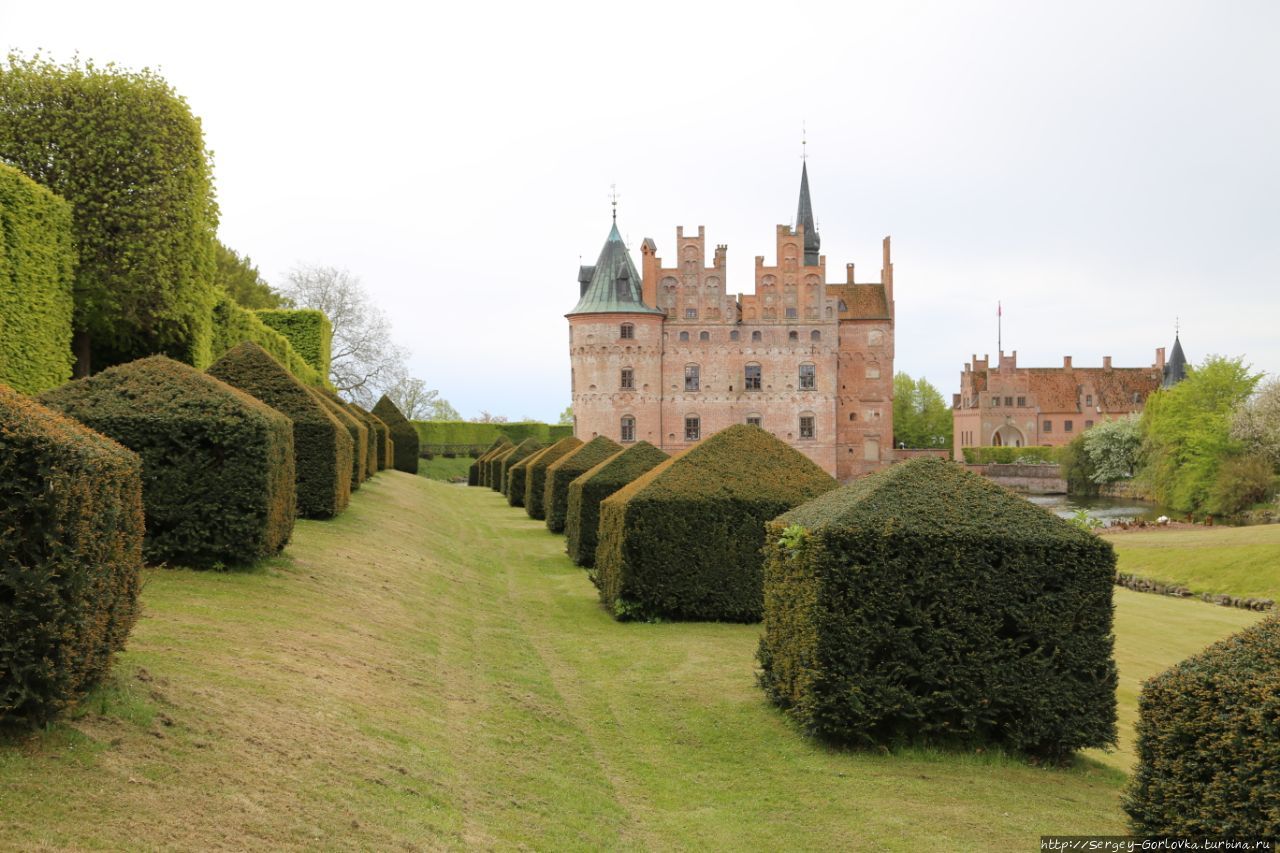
(1242, 561)
(430, 671)
(444, 469)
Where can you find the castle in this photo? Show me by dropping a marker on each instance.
(1011, 406)
(665, 355)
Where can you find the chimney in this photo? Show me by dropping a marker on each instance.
(1066, 362)
(1160, 359)
(1106, 362)
(848, 273)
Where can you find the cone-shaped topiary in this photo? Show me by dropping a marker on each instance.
(217, 465)
(926, 604)
(1208, 749)
(582, 516)
(536, 477)
(71, 529)
(473, 472)
(402, 433)
(519, 453)
(356, 429)
(683, 540)
(379, 436)
(321, 446)
(568, 468)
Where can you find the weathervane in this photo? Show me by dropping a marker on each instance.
(804, 142)
(613, 199)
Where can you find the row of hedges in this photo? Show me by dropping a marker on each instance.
(568, 468)
(359, 436)
(37, 268)
(493, 476)
(473, 471)
(403, 436)
(308, 331)
(384, 447)
(1007, 455)
(582, 518)
(70, 558)
(535, 480)
(460, 436)
(513, 457)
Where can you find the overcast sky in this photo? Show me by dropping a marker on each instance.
(1100, 168)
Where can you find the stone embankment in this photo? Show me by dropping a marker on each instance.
(1141, 584)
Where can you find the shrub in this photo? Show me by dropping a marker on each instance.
(217, 465)
(683, 540)
(308, 331)
(501, 445)
(494, 474)
(402, 433)
(925, 604)
(520, 452)
(568, 468)
(37, 266)
(518, 477)
(536, 475)
(234, 324)
(473, 471)
(1241, 482)
(71, 512)
(367, 420)
(1009, 455)
(1208, 750)
(1077, 468)
(356, 429)
(380, 436)
(322, 447)
(582, 515)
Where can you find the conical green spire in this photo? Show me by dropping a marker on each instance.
(615, 284)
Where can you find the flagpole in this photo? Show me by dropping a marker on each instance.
(999, 330)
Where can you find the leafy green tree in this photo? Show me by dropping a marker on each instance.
(418, 403)
(125, 150)
(1113, 447)
(921, 418)
(241, 280)
(1186, 431)
(566, 417)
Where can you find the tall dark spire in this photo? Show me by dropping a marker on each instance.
(804, 219)
(1175, 369)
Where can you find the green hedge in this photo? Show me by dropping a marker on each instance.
(70, 557)
(1008, 455)
(307, 329)
(518, 477)
(473, 471)
(460, 435)
(535, 482)
(924, 604)
(322, 447)
(683, 540)
(371, 424)
(519, 453)
(217, 465)
(381, 438)
(233, 325)
(37, 268)
(486, 469)
(1209, 742)
(356, 429)
(494, 465)
(568, 468)
(582, 515)
(402, 433)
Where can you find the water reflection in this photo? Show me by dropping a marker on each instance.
(1106, 510)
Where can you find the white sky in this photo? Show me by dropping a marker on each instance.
(1100, 167)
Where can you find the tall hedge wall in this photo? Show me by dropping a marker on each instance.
(1208, 743)
(70, 556)
(402, 433)
(568, 468)
(587, 491)
(232, 325)
(435, 435)
(217, 465)
(308, 330)
(925, 604)
(519, 453)
(535, 484)
(37, 268)
(356, 429)
(683, 540)
(381, 438)
(322, 448)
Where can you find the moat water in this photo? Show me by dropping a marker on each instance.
(1106, 510)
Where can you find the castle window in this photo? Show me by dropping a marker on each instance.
(704, 336)
(853, 416)
(808, 377)
(692, 428)
(1136, 397)
(995, 401)
(1088, 399)
(754, 420)
(627, 332)
(1008, 401)
(684, 337)
(1088, 424)
(733, 335)
(794, 337)
(755, 337)
(1048, 426)
(791, 314)
(752, 378)
(691, 313)
(628, 431)
(1067, 426)
(843, 306)
(1022, 402)
(873, 371)
(691, 377)
(628, 381)
(806, 426)
(815, 336)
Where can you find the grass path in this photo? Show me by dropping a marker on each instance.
(1242, 561)
(429, 671)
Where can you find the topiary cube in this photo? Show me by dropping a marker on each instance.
(568, 468)
(473, 472)
(71, 531)
(356, 429)
(402, 433)
(371, 424)
(536, 475)
(381, 438)
(494, 474)
(925, 604)
(217, 464)
(518, 477)
(582, 513)
(519, 453)
(683, 540)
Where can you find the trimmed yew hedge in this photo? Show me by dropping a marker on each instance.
(683, 540)
(518, 477)
(924, 604)
(371, 455)
(37, 268)
(473, 470)
(217, 465)
(535, 480)
(519, 453)
(482, 462)
(568, 468)
(1209, 742)
(582, 515)
(308, 330)
(322, 447)
(380, 436)
(356, 429)
(70, 556)
(402, 433)
(494, 473)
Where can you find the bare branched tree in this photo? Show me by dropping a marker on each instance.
(418, 403)
(364, 358)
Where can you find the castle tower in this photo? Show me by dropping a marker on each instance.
(1175, 369)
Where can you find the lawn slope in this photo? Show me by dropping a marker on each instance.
(1243, 561)
(430, 671)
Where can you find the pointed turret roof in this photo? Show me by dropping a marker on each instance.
(804, 219)
(615, 284)
(1175, 369)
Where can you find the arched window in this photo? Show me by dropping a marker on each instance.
(684, 337)
(808, 377)
(815, 336)
(756, 337)
(692, 378)
(704, 336)
(628, 430)
(794, 337)
(751, 381)
(806, 425)
(733, 335)
(627, 332)
(692, 428)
